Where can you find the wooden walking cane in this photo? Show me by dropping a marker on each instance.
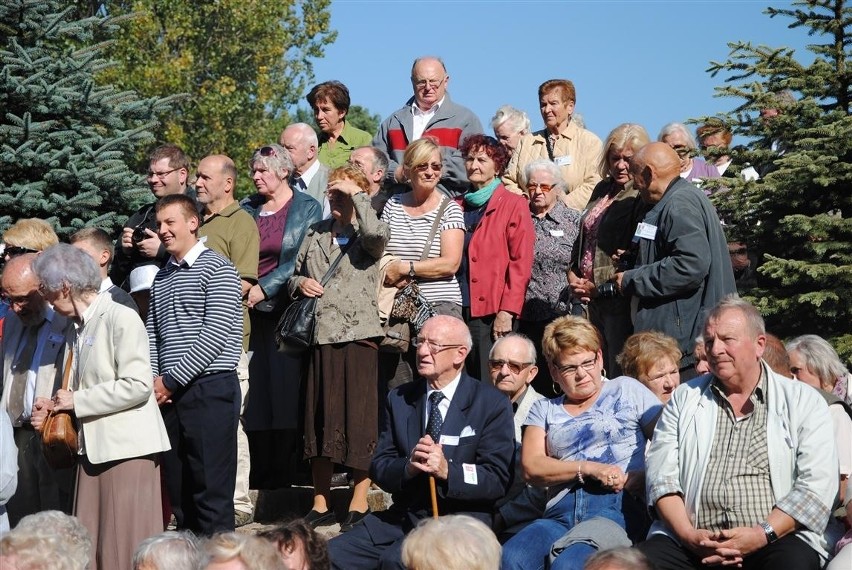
(434, 496)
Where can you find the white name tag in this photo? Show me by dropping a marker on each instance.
(563, 160)
(646, 231)
(469, 471)
(89, 340)
(341, 240)
(557, 233)
(449, 440)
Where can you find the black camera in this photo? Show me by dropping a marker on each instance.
(626, 260)
(607, 290)
(138, 235)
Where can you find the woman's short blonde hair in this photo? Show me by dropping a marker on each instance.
(252, 551)
(452, 542)
(419, 152)
(643, 349)
(625, 135)
(31, 233)
(571, 334)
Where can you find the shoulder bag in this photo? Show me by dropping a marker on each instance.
(296, 327)
(59, 432)
(410, 308)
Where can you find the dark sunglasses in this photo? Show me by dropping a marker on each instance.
(267, 151)
(15, 250)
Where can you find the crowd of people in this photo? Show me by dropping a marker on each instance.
(578, 384)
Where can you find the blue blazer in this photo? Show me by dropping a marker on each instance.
(477, 409)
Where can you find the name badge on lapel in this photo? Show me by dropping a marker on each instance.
(645, 231)
(449, 440)
(564, 160)
(55, 338)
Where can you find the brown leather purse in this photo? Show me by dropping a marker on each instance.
(59, 432)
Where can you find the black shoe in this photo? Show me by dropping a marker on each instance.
(353, 518)
(316, 519)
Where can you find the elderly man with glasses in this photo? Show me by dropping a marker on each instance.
(447, 427)
(429, 113)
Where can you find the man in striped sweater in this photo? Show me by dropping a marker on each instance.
(195, 324)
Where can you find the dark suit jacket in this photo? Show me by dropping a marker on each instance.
(477, 409)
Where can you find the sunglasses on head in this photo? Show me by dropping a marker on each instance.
(267, 151)
(15, 250)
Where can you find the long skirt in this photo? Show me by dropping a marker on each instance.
(341, 407)
(119, 504)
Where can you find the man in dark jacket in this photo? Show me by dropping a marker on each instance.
(683, 267)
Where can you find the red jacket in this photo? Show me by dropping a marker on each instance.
(500, 255)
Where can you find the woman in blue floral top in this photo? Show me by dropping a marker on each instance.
(587, 446)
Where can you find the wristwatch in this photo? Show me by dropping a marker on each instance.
(771, 536)
(411, 269)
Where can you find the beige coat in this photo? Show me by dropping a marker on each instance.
(348, 309)
(579, 149)
(113, 385)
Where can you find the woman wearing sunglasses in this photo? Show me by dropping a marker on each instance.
(271, 417)
(555, 226)
(607, 229)
(586, 447)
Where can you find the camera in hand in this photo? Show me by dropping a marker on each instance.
(607, 290)
(138, 235)
(627, 260)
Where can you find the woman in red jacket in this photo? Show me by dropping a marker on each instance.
(498, 247)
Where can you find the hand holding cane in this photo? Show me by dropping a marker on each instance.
(433, 428)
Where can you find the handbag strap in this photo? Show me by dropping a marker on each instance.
(66, 375)
(336, 261)
(444, 203)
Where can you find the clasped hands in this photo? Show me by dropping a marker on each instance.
(726, 547)
(62, 400)
(428, 457)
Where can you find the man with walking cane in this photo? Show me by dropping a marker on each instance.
(446, 427)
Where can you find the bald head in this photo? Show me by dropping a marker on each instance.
(216, 179)
(444, 342)
(430, 79)
(20, 285)
(654, 167)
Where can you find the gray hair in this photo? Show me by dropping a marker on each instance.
(547, 166)
(678, 128)
(63, 264)
(754, 320)
(380, 158)
(516, 118)
(278, 161)
(452, 541)
(421, 58)
(49, 539)
(820, 358)
(307, 134)
(624, 558)
(528, 345)
(252, 551)
(170, 550)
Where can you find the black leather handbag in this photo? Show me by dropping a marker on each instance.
(297, 326)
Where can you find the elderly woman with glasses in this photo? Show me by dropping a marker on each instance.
(606, 230)
(585, 447)
(283, 216)
(572, 148)
(498, 242)
(555, 226)
(692, 168)
(110, 390)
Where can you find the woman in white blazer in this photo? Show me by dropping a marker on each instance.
(121, 432)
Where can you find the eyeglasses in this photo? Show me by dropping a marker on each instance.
(432, 347)
(436, 166)
(267, 151)
(20, 301)
(570, 370)
(430, 83)
(16, 250)
(514, 367)
(741, 251)
(545, 188)
(160, 175)
(682, 151)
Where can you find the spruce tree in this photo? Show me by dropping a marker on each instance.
(66, 142)
(797, 214)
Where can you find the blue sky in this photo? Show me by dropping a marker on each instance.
(637, 61)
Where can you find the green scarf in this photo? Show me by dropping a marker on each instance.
(481, 196)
